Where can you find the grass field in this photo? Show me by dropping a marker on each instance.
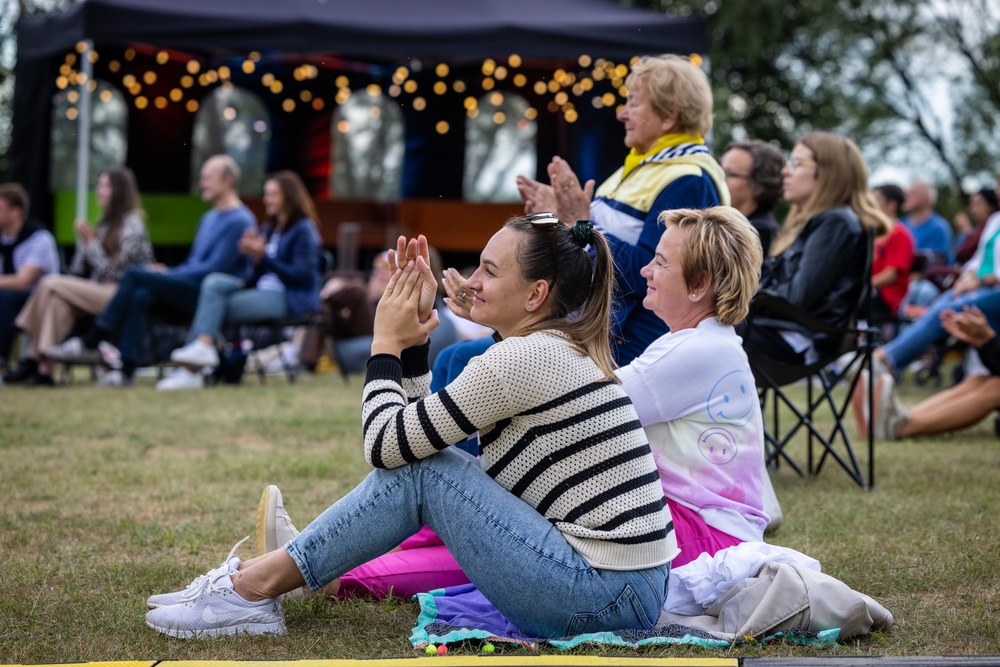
(111, 495)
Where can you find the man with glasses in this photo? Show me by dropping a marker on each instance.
(753, 176)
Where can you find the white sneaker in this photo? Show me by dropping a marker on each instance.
(73, 351)
(181, 379)
(889, 414)
(274, 526)
(110, 354)
(196, 353)
(214, 609)
(114, 379)
(229, 566)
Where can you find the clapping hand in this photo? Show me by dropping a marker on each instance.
(251, 244)
(397, 322)
(459, 299)
(969, 326)
(409, 251)
(84, 231)
(537, 196)
(572, 200)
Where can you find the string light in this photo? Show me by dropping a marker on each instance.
(559, 85)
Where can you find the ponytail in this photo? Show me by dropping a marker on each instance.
(580, 289)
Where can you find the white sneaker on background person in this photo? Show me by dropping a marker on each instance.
(196, 353)
(888, 412)
(181, 379)
(110, 355)
(114, 378)
(72, 350)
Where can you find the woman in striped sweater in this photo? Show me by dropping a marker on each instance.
(565, 501)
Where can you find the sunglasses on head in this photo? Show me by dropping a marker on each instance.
(548, 219)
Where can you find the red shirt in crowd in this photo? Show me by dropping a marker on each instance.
(894, 249)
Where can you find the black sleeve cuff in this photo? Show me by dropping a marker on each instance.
(415, 360)
(384, 367)
(989, 354)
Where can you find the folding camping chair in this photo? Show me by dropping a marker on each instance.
(854, 345)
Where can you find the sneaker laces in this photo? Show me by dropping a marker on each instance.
(207, 580)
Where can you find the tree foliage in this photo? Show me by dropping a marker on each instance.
(10, 11)
(875, 70)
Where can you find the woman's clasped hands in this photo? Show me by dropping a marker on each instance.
(405, 315)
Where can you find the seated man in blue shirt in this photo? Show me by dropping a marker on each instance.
(170, 293)
(27, 252)
(930, 231)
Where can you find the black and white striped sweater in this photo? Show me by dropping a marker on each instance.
(552, 431)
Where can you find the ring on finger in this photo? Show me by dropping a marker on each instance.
(461, 297)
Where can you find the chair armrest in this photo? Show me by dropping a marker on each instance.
(770, 309)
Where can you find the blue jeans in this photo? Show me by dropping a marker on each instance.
(140, 293)
(917, 337)
(352, 354)
(514, 555)
(223, 300)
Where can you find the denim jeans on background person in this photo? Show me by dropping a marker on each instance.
(352, 354)
(514, 555)
(223, 300)
(10, 305)
(918, 336)
(142, 292)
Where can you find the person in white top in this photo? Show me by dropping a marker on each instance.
(693, 388)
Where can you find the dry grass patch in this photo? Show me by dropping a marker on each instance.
(111, 496)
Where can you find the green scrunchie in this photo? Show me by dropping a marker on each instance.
(581, 232)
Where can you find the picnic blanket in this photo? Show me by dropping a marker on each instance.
(785, 599)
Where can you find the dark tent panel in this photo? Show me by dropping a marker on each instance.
(381, 30)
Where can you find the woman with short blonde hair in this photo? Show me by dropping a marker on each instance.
(676, 86)
(722, 249)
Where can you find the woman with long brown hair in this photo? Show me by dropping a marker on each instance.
(284, 280)
(818, 260)
(118, 242)
(564, 499)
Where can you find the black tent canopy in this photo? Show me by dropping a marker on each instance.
(376, 29)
